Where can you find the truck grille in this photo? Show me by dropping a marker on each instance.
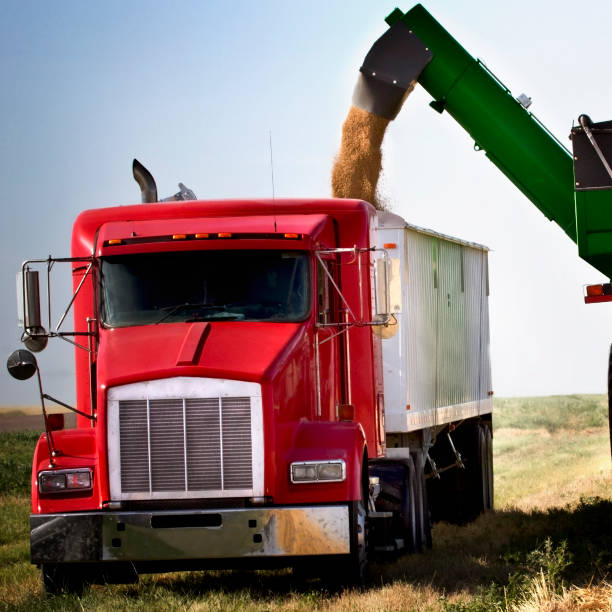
(185, 445)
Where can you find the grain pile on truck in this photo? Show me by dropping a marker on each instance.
(290, 382)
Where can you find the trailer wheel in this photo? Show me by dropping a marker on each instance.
(423, 522)
(480, 476)
(409, 509)
(487, 465)
(610, 396)
(60, 578)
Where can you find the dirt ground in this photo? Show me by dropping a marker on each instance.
(22, 421)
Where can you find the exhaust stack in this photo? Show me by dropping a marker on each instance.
(146, 182)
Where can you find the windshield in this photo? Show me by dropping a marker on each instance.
(169, 287)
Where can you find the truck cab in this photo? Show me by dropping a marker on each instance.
(230, 393)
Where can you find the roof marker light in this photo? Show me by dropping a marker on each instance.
(601, 292)
(201, 235)
(224, 235)
(292, 236)
(179, 236)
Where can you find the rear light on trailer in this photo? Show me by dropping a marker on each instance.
(318, 471)
(65, 481)
(598, 293)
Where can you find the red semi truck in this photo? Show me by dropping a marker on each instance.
(259, 383)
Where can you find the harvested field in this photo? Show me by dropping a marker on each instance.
(547, 547)
(29, 419)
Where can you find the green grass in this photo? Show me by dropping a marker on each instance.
(549, 454)
(16, 451)
(553, 413)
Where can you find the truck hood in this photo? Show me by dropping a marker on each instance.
(237, 350)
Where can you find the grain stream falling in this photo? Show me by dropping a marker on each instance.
(359, 163)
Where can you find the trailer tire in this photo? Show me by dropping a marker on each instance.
(409, 509)
(610, 396)
(423, 521)
(488, 468)
(479, 474)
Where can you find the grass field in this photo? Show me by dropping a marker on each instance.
(548, 546)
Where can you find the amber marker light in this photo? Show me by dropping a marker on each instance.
(292, 236)
(346, 412)
(201, 235)
(592, 290)
(179, 236)
(601, 292)
(390, 245)
(114, 241)
(224, 235)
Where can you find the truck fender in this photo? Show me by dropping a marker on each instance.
(333, 440)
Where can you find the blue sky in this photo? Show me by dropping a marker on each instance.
(193, 90)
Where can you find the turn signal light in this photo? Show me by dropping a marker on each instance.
(346, 412)
(601, 292)
(594, 290)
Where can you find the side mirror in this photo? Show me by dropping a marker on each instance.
(22, 364)
(28, 303)
(383, 303)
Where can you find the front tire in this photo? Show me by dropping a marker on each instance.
(61, 578)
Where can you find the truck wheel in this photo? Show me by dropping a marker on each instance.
(423, 522)
(62, 578)
(356, 570)
(610, 396)
(409, 509)
(488, 468)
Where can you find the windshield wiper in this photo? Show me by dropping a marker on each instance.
(187, 305)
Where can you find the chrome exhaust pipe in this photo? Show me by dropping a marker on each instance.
(146, 182)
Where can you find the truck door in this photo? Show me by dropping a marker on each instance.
(329, 345)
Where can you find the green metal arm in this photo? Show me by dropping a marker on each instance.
(512, 138)
(416, 48)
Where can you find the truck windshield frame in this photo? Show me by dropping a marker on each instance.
(208, 285)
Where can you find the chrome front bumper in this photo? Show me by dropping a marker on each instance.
(199, 534)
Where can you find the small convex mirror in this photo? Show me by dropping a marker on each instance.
(21, 364)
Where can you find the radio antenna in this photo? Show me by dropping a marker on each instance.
(272, 178)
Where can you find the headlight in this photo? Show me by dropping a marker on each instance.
(62, 481)
(315, 471)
